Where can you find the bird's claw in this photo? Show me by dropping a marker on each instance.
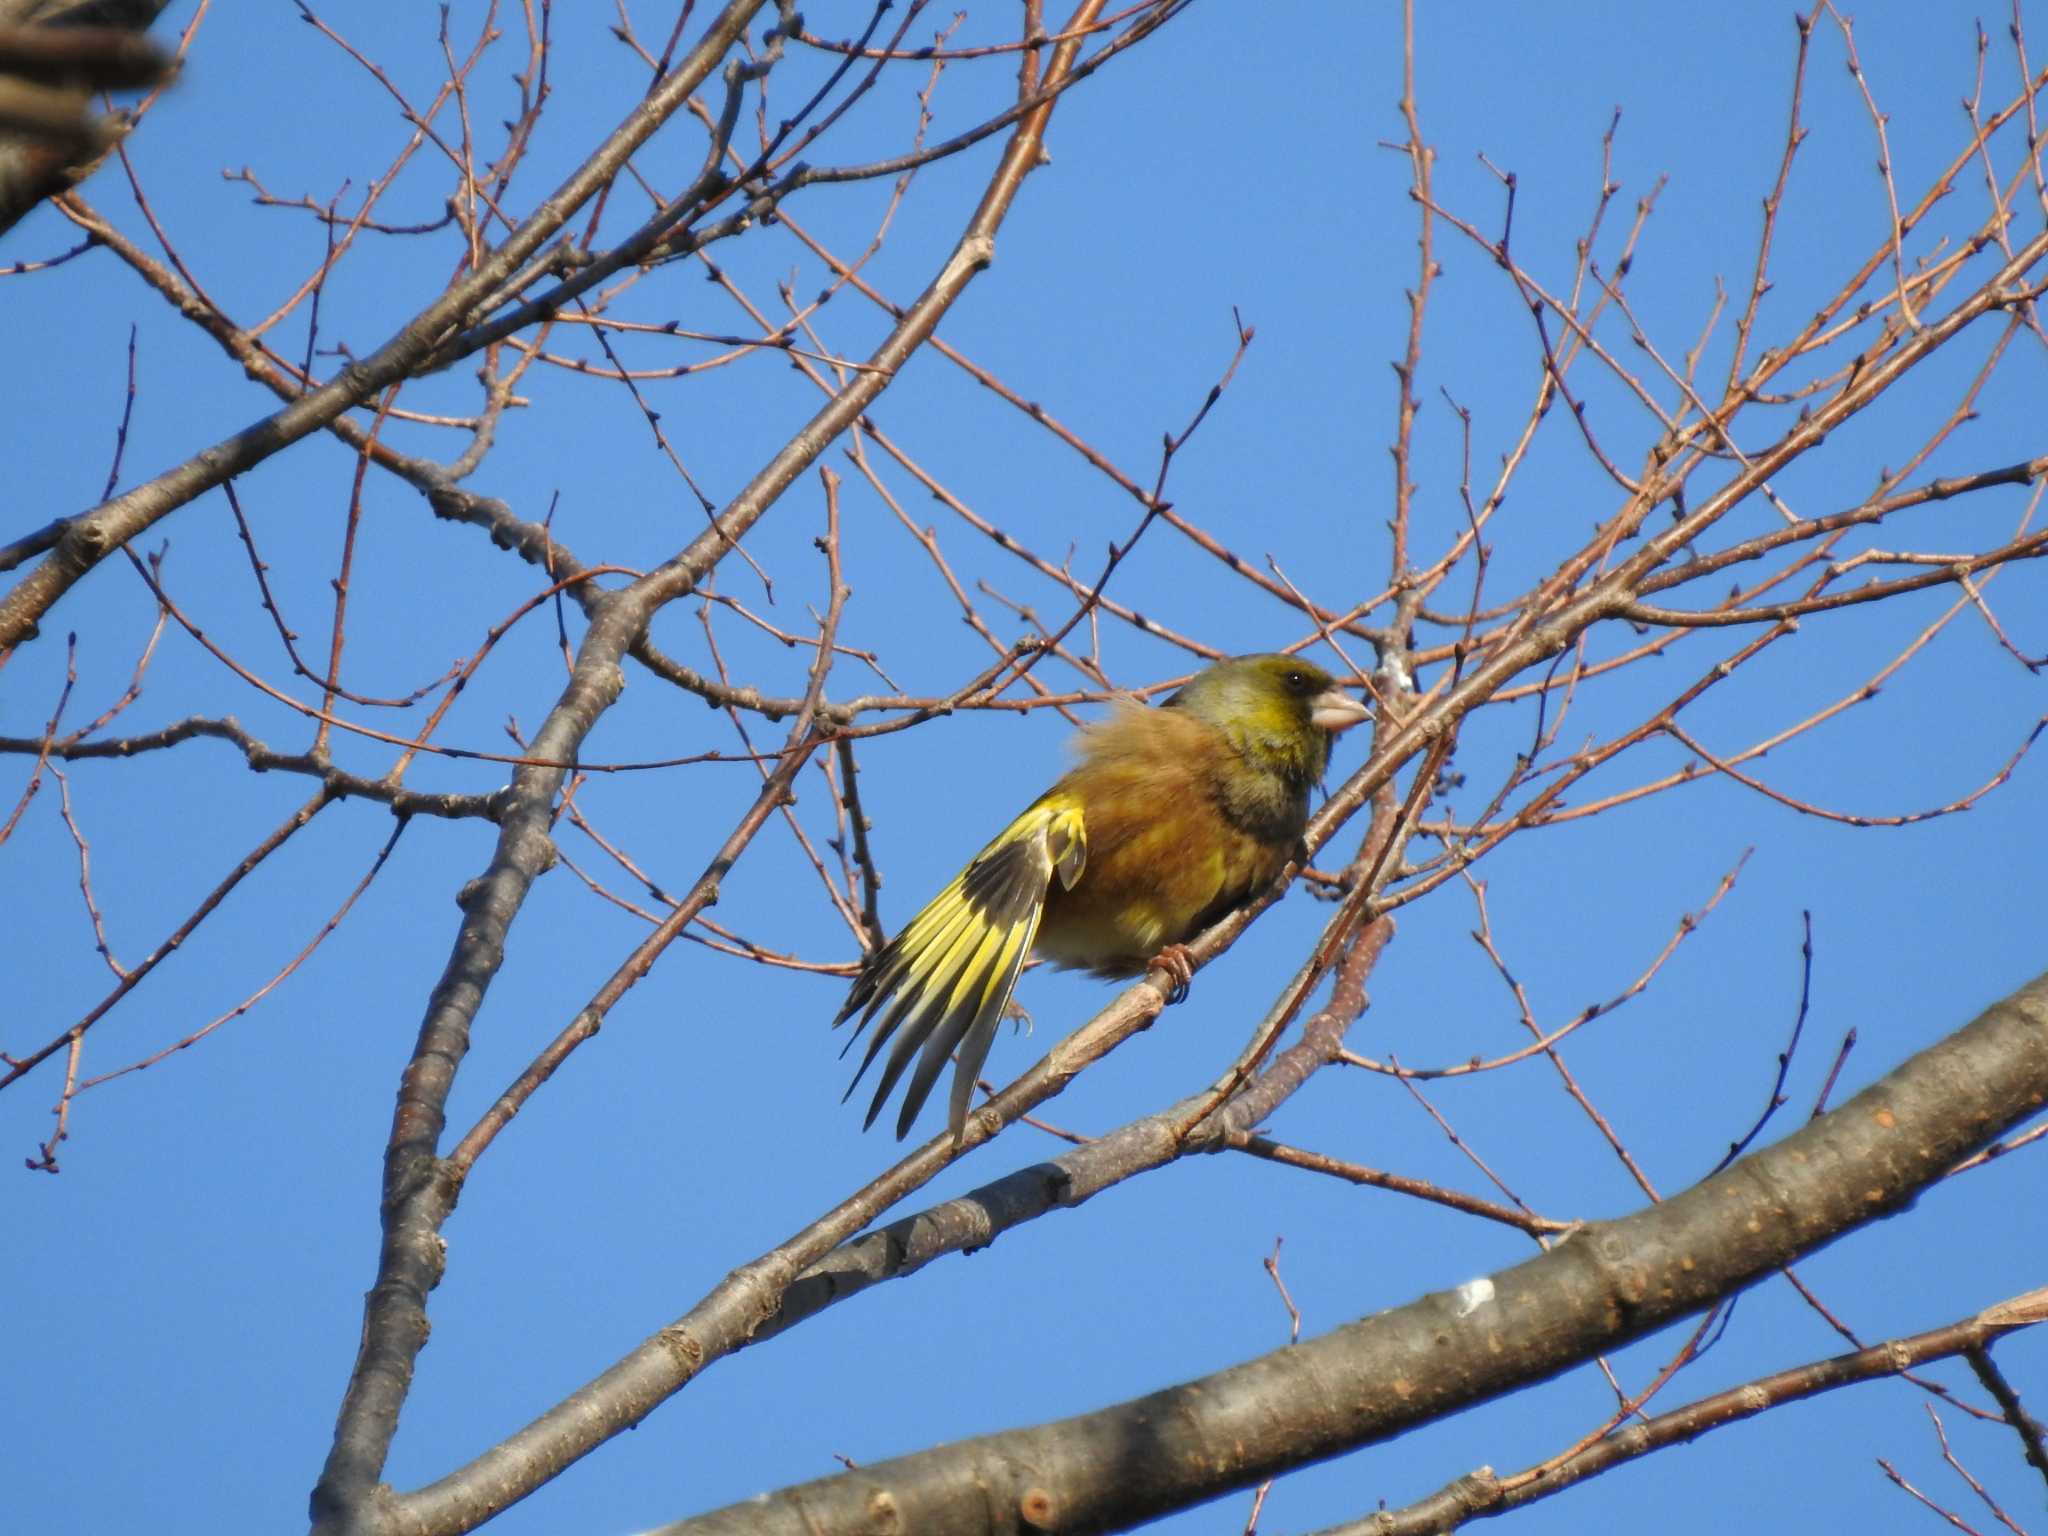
(1018, 1015)
(1179, 964)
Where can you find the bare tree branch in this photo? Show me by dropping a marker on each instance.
(1611, 1282)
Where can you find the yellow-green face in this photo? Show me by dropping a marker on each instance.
(1269, 693)
(1288, 683)
(1280, 711)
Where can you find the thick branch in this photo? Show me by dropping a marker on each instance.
(1482, 1493)
(1372, 1379)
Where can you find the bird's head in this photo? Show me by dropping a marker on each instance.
(1280, 710)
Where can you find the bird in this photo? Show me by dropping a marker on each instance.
(1172, 817)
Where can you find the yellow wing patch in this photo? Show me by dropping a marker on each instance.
(942, 983)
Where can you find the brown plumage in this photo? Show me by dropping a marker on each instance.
(1171, 818)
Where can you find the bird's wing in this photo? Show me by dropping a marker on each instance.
(946, 977)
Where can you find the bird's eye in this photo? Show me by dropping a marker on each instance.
(1298, 681)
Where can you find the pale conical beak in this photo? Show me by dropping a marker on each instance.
(1334, 710)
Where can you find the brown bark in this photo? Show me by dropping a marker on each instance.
(1370, 1380)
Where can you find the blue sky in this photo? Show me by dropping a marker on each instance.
(186, 1294)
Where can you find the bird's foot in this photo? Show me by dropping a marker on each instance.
(1018, 1015)
(1179, 965)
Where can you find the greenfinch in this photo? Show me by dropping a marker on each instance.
(1172, 817)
